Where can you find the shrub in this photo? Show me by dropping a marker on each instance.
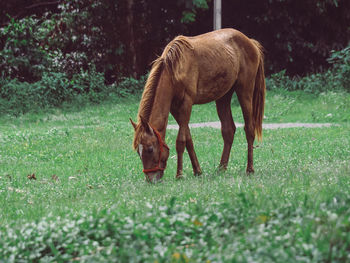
(281, 80)
(56, 88)
(341, 66)
(89, 83)
(129, 86)
(20, 97)
(21, 55)
(52, 90)
(336, 78)
(15, 96)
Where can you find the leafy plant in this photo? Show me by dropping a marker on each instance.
(341, 66)
(21, 55)
(56, 89)
(334, 79)
(196, 234)
(128, 86)
(52, 90)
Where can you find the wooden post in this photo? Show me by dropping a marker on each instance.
(217, 14)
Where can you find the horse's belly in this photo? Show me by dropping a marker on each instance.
(213, 88)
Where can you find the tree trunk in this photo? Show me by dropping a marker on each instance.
(130, 44)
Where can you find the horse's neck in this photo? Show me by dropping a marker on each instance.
(161, 105)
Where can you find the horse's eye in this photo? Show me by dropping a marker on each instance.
(149, 149)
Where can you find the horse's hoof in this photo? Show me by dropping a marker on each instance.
(199, 173)
(222, 168)
(249, 171)
(179, 177)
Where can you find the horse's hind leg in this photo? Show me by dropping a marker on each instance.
(228, 128)
(245, 98)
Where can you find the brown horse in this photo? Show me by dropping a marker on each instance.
(198, 70)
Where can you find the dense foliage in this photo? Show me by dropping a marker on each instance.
(298, 36)
(114, 35)
(88, 86)
(334, 79)
(216, 233)
(47, 49)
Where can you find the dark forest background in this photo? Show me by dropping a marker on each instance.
(73, 46)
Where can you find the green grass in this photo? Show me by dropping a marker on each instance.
(90, 202)
(289, 106)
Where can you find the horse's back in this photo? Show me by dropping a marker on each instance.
(220, 56)
(212, 62)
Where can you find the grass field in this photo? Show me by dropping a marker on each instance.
(89, 201)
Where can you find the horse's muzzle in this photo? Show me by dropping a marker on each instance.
(154, 177)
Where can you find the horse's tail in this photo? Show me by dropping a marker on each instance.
(259, 93)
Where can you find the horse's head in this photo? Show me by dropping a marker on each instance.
(152, 150)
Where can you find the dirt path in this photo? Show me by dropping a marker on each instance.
(217, 125)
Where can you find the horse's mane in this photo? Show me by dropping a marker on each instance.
(169, 60)
(172, 54)
(149, 90)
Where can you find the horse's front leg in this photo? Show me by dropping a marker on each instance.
(190, 149)
(180, 148)
(184, 140)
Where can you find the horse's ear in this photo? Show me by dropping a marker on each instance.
(133, 124)
(146, 125)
